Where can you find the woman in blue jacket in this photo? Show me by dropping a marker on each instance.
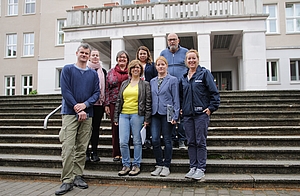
(165, 96)
(199, 98)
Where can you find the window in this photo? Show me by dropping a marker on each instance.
(272, 71)
(292, 11)
(271, 22)
(10, 85)
(28, 49)
(295, 70)
(61, 35)
(127, 2)
(12, 7)
(29, 7)
(11, 45)
(26, 84)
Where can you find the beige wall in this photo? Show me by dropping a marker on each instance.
(50, 13)
(282, 39)
(18, 65)
(44, 25)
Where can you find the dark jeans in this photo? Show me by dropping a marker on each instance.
(115, 133)
(178, 134)
(196, 133)
(96, 121)
(160, 126)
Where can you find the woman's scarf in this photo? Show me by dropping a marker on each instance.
(98, 68)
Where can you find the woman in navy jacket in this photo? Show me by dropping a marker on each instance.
(144, 56)
(199, 98)
(165, 95)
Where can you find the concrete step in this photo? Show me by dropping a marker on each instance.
(250, 108)
(224, 122)
(215, 152)
(147, 165)
(216, 115)
(246, 140)
(259, 101)
(173, 180)
(212, 131)
(260, 93)
(38, 109)
(256, 114)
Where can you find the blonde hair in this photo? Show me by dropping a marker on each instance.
(163, 59)
(192, 51)
(134, 63)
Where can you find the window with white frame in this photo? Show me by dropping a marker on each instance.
(12, 7)
(60, 34)
(295, 70)
(28, 48)
(29, 7)
(292, 11)
(11, 45)
(26, 84)
(10, 85)
(272, 71)
(271, 22)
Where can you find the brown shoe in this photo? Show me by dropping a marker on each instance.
(125, 170)
(134, 171)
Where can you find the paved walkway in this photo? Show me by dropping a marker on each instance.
(45, 188)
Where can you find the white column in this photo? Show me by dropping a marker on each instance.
(117, 44)
(254, 61)
(204, 49)
(159, 44)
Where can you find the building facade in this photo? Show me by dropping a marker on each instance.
(247, 44)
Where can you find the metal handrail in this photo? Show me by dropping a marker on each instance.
(49, 115)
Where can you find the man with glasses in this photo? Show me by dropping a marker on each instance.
(175, 55)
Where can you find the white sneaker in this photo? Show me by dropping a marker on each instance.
(198, 174)
(190, 173)
(157, 170)
(165, 172)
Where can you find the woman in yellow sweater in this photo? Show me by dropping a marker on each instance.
(132, 112)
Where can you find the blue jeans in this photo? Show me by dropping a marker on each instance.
(133, 123)
(196, 133)
(160, 126)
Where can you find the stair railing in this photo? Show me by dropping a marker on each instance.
(49, 115)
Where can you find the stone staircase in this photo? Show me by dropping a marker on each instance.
(253, 141)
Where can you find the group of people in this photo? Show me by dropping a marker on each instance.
(136, 94)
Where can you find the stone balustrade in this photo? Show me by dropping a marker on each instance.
(162, 11)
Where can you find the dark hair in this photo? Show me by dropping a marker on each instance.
(149, 59)
(85, 46)
(120, 53)
(132, 64)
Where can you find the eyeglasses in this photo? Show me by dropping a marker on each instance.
(170, 40)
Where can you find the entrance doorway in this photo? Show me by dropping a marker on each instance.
(223, 80)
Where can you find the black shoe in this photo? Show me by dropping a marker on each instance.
(64, 188)
(94, 157)
(80, 183)
(117, 158)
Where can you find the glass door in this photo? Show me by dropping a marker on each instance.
(223, 80)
